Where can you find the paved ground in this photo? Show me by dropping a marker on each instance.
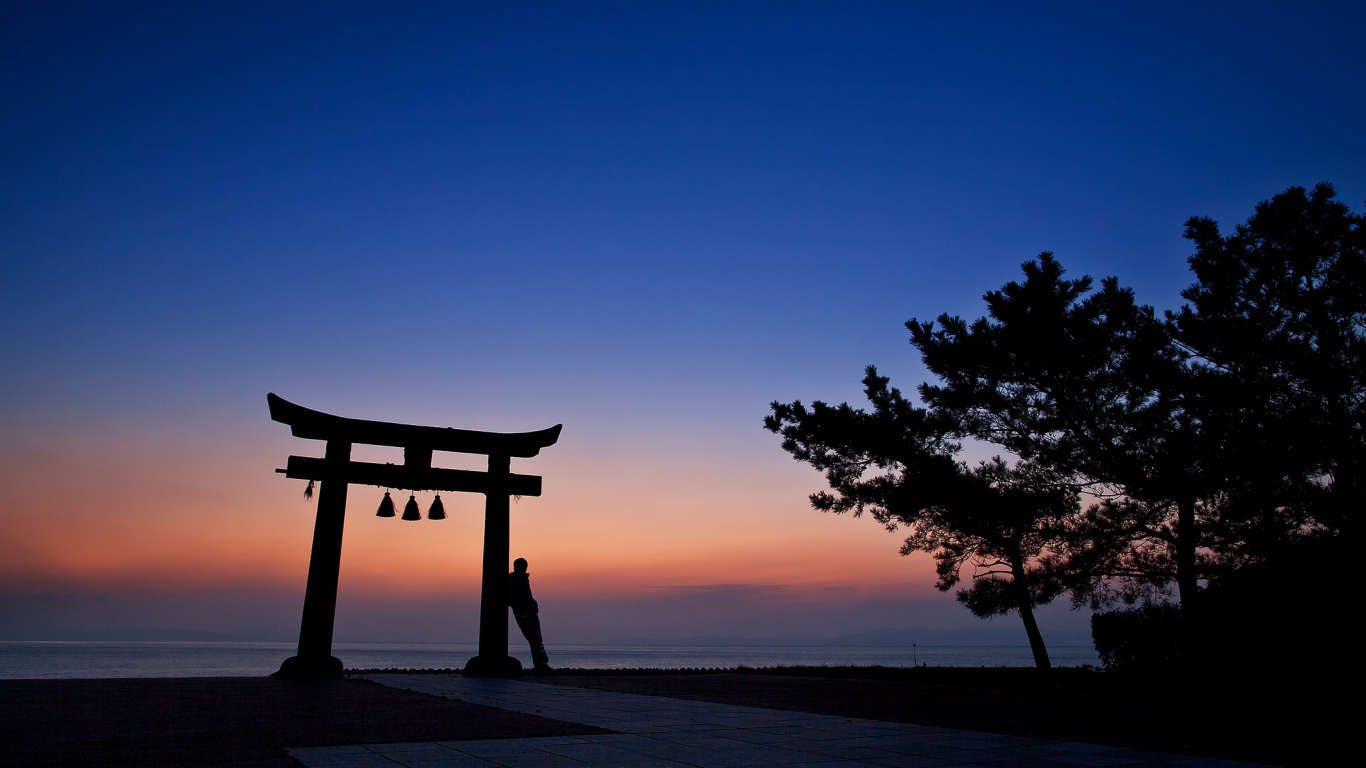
(659, 731)
(1255, 718)
(229, 722)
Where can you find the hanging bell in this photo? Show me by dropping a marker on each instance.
(438, 510)
(410, 510)
(386, 506)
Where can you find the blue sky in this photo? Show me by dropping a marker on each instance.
(643, 220)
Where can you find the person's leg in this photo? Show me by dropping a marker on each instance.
(530, 624)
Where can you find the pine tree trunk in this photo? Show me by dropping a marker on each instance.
(1192, 654)
(1345, 495)
(1185, 554)
(1024, 602)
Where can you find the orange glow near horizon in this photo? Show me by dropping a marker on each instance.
(166, 513)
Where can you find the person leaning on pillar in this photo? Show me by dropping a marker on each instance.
(527, 613)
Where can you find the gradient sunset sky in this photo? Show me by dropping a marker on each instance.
(643, 220)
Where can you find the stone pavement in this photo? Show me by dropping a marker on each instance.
(676, 733)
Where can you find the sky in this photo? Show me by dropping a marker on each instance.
(643, 221)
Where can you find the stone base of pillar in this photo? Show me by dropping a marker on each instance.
(310, 668)
(493, 666)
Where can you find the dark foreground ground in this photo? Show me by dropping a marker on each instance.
(248, 721)
(1282, 724)
(230, 721)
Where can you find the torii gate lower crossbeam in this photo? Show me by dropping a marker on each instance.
(335, 471)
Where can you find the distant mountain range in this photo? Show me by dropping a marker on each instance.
(890, 637)
(1010, 636)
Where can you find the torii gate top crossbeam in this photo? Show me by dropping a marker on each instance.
(316, 425)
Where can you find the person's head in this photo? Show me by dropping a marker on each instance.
(519, 565)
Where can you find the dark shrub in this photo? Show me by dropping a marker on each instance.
(1146, 639)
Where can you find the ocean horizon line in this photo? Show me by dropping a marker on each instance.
(290, 644)
(62, 659)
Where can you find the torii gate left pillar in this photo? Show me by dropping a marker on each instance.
(335, 471)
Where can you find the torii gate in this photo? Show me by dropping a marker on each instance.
(336, 470)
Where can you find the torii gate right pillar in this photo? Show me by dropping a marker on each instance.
(493, 659)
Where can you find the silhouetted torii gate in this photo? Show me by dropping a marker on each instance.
(336, 470)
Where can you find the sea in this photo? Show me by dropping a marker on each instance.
(75, 659)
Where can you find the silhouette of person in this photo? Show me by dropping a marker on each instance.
(527, 613)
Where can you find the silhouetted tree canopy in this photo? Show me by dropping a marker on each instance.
(1223, 437)
(898, 464)
(1088, 384)
(1276, 328)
